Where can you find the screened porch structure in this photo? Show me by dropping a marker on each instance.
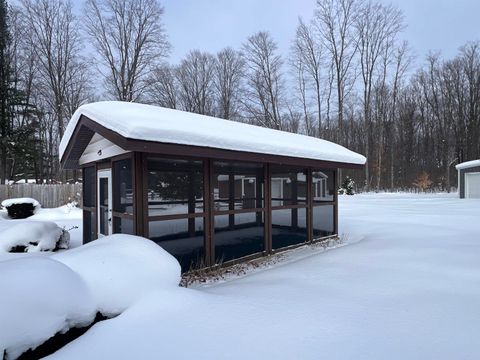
(209, 191)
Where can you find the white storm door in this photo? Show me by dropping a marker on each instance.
(472, 185)
(104, 202)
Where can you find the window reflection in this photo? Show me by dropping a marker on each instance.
(289, 227)
(237, 186)
(323, 221)
(183, 238)
(289, 185)
(123, 226)
(238, 235)
(174, 186)
(103, 205)
(89, 220)
(89, 181)
(323, 185)
(123, 186)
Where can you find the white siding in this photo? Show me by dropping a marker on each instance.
(472, 185)
(100, 148)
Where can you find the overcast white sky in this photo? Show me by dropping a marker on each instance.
(210, 25)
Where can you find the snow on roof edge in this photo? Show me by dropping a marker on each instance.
(468, 164)
(158, 124)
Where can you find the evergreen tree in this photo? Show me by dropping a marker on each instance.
(5, 118)
(347, 187)
(18, 144)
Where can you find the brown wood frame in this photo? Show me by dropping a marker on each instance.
(212, 213)
(140, 150)
(309, 205)
(333, 203)
(141, 219)
(117, 214)
(90, 209)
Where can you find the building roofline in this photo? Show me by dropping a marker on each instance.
(86, 128)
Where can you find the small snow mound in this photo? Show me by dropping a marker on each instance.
(6, 203)
(34, 236)
(121, 269)
(39, 298)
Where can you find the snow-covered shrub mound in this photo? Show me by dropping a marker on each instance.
(20, 208)
(33, 236)
(39, 297)
(120, 269)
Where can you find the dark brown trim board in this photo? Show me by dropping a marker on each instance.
(86, 128)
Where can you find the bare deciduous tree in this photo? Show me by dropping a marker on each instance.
(266, 87)
(162, 87)
(307, 60)
(229, 72)
(130, 41)
(55, 37)
(334, 20)
(195, 76)
(377, 27)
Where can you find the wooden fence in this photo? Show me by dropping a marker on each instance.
(49, 196)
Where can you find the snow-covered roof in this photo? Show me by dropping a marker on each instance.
(152, 123)
(468, 164)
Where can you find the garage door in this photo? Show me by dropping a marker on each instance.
(472, 185)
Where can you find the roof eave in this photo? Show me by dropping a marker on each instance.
(86, 128)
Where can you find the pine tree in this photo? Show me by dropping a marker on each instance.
(18, 143)
(5, 75)
(347, 187)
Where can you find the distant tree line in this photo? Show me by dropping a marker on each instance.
(348, 78)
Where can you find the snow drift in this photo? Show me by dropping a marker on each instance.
(39, 298)
(42, 296)
(121, 269)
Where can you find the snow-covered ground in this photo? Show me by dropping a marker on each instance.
(406, 286)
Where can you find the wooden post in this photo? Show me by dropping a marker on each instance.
(309, 205)
(335, 198)
(191, 202)
(231, 198)
(294, 195)
(208, 209)
(259, 197)
(139, 194)
(268, 209)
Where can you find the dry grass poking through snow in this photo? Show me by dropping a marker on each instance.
(224, 273)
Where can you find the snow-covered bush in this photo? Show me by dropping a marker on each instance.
(39, 298)
(34, 236)
(347, 187)
(71, 205)
(20, 208)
